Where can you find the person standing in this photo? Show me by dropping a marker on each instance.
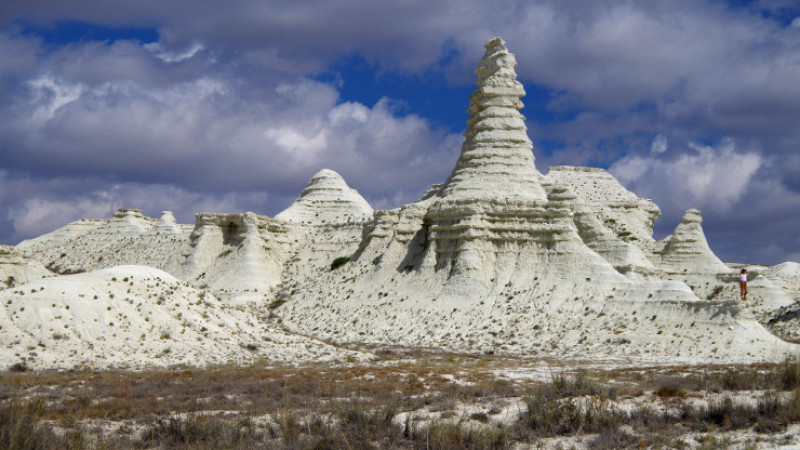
(743, 283)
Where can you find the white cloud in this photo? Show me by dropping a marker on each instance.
(659, 144)
(44, 208)
(708, 178)
(172, 57)
(201, 136)
(349, 111)
(296, 141)
(49, 95)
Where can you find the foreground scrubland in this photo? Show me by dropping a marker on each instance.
(407, 399)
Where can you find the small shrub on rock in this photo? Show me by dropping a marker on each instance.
(339, 262)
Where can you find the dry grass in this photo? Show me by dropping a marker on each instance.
(448, 401)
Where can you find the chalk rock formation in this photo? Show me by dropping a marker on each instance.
(628, 216)
(496, 159)
(686, 256)
(167, 224)
(687, 251)
(615, 248)
(45, 246)
(236, 255)
(499, 258)
(495, 261)
(787, 276)
(492, 218)
(327, 199)
(134, 316)
(784, 321)
(15, 269)
(127, 238)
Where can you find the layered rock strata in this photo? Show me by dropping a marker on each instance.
(497, 259)
(327, 199)
(631, 218)
(492, 213)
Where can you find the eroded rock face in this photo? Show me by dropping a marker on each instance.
(687, 250)
(498, 258)
(631, 218)
(167, 223)
(15, 269)
(492, 217)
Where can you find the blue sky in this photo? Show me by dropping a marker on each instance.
(233, 106)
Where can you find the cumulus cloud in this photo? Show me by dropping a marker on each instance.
(749, 215)
(48, 96)
(709, 178)
(231, 105)
(201, 131)
(215, 141)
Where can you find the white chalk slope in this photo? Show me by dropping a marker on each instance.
(135, 316)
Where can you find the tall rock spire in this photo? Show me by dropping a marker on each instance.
(496, 159)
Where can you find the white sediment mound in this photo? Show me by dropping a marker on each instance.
(499, 258)
(328, 199)
(786, 275)
(135, 316)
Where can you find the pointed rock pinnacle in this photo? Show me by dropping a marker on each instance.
(496, 160)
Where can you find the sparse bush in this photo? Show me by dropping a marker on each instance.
(453, 436)
(362, 423)
(277, 303)
(548, 416)
(356, 406)
(789, 374)
(20, 429)
(722, 413)
(201, 431)
(19, 367)
(339, 262)
(669, 391)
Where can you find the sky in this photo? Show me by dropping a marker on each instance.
(233, 105)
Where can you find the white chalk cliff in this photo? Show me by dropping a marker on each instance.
(498, 258)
